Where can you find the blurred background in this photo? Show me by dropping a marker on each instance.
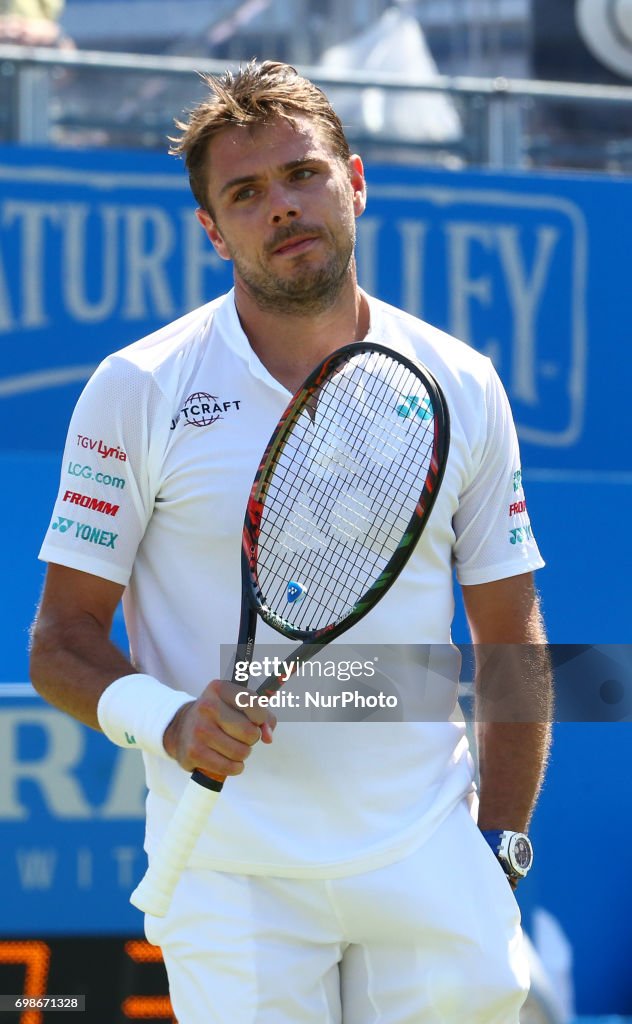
(497, 136)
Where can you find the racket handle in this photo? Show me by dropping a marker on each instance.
(154, 892)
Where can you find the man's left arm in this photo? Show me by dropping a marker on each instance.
(513, 699)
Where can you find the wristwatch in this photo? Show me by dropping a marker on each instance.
(513, 850)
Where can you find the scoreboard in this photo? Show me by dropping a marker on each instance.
(71, 851)
(113, 980)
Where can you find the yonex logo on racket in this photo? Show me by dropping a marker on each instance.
(295, 592)
(412, 405)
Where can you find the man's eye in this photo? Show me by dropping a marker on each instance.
(304, 173)
(244, 193)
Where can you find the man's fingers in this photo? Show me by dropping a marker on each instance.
(244, 703)
(213, 750)
(215, 735)
(267, 729)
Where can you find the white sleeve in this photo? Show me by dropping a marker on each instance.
(494, 535)
(110, 473)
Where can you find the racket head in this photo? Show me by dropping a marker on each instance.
(343, 491)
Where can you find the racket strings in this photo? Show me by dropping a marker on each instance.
(312, 537)
(376, 492)
(349, 518)
(343, 489)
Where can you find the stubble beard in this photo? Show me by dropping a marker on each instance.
(308, 290)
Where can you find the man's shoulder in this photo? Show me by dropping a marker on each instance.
(171, 341)
(434, 347)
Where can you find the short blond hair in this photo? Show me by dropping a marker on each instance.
(255, 95)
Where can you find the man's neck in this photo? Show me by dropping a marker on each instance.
(291, 346)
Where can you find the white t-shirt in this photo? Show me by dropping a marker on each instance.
(160, 456)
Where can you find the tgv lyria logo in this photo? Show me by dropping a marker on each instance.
(412, 405)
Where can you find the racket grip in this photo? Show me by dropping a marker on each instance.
(154, 892)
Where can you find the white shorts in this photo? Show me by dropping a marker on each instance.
(432, 939)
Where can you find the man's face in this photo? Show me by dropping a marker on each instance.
(284, 208)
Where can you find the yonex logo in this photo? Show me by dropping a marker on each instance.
(63, 525)
(412, 405)
(295, 592)
(521, 534)
(85, 532)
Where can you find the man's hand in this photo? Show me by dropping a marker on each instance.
(214, 735)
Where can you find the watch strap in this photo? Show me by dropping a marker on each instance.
(503, 846)
(493, 838)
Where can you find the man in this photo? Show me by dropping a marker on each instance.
(338, 881)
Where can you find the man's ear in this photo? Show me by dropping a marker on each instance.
(358, 184)
(213, 234)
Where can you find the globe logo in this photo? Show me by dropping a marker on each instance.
(201, 409)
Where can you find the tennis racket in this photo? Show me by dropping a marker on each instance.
(342, 494)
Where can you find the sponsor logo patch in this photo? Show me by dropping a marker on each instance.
(517, 507)
(521, 534)
(62, 524)
(88, 473)
(85, 532)
(201, 409)
(106, 451)
(85, 501)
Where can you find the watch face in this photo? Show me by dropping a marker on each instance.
(521, 853)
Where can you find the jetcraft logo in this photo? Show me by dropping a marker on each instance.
(106, 451)
(89, 534)
(85, 501)
(202, 409)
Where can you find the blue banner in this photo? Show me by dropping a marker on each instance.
(71, 824)
(99, 249)
(502, 265)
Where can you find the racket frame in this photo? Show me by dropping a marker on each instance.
(414, 529)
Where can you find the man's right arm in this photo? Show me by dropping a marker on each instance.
(72, 658)
(73, 661)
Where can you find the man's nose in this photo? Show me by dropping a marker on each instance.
(283, 204)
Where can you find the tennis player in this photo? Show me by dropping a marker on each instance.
(350, 873)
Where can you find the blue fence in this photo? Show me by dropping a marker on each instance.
(97, 249)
